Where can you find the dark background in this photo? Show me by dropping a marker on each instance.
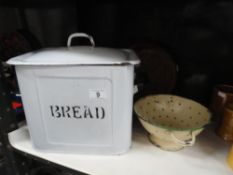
(197, 34)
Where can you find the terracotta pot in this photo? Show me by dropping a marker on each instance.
(222, 95)
(225, 130)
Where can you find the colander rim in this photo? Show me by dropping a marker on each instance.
(172, 128)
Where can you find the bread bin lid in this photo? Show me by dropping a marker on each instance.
(78, 55)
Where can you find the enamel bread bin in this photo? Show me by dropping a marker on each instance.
(78, 99)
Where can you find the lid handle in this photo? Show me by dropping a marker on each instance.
(84, 35)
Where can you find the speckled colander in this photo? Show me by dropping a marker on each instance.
(172, 121)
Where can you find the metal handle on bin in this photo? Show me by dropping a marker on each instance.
(84, 35)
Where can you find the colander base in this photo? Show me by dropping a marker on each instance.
(164, 144)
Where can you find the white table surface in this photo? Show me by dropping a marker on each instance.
(206, 157)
